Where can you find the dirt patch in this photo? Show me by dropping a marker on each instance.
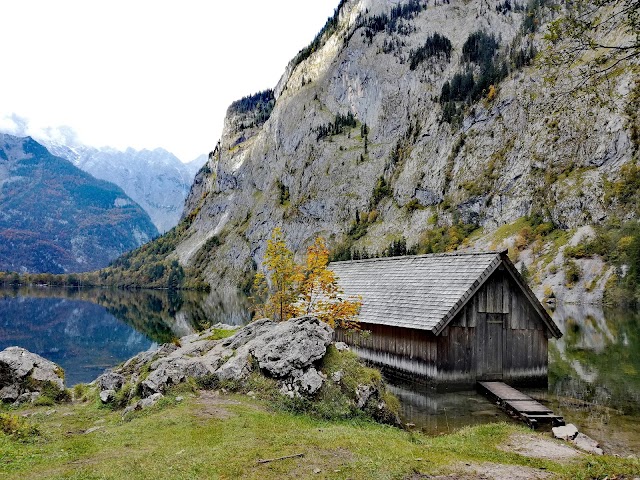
(211, 404)
(539, 447)
(323, 463)
(497, 471)
(421, 476)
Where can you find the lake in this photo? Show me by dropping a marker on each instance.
(86, 331)
(594, 382)
(594, 369)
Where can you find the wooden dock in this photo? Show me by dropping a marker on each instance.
(519, 405)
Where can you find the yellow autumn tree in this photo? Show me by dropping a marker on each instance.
(288, 290)
(278, 288)
(320, 294)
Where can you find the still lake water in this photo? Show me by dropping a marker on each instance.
(86, 331)
(594, 371)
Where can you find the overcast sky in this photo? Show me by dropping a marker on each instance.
(145, 73)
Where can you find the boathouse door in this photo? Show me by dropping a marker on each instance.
(493, 356)
(492, 315)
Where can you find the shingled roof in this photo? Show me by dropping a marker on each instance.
(423, 292)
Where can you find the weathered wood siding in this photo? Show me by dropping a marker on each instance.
(497, 335)
(408, 351)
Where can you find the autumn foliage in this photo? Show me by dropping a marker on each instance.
(286, 289)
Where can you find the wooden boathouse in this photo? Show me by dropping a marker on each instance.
(448, 319)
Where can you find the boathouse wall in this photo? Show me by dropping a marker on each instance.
(496, 335)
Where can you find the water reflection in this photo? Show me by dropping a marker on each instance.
(88, 330)
(594, 382)
(435, 412)
(594, 374)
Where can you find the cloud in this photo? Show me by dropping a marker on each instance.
(14, 124)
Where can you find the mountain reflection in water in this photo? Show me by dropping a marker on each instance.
(594, 382)
(88, 330)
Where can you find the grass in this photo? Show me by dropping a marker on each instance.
(187, 441)
(220, 333)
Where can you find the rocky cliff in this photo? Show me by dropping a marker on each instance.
(410, 123)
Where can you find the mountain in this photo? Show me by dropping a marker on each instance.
(56, 218)
(420, 127)
(155, 179)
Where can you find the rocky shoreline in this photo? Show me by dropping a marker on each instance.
(290, 355)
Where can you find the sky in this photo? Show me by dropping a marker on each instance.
(144, 73)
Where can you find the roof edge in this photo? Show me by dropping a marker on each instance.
(551, 324)
(515, 274)
(426, 255)
(462, 301)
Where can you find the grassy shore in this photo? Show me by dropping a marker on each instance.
(224, 436)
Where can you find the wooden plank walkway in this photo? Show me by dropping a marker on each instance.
(519, 405)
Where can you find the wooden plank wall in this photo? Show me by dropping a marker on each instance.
(462, 353)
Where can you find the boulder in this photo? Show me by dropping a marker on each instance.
(292, 345)
(587, 444)
(238, 367)
(288, 352)
(565, 432)
(311, 381)
(172, 372)
(144, 403)
(110, 381)
(24, 372)
(27, 397)
(107, 396)
(150, 401)
(341, 346)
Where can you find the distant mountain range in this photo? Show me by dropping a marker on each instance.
(156, 179)
(57, 218)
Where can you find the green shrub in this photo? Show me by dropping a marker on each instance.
(83, 392)
(122, 396)
(17, 427)
(381, 190)
(572, 273)
(413, 205)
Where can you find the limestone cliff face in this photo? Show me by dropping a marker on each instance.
(516, 151)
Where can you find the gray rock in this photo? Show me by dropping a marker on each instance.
(292, 345)
(110, 381)
(93, 429)
(311, 381)
(10, 393)
(248, 333)
(565, 432)
(237, 367)
(172, 372)
(141, 404)
(341, 346)
(285, 350)
(150, 401)
(22, 372)
(107, 396)
(337, 376)
(587, 444)
(363, 393)
(27, 397)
